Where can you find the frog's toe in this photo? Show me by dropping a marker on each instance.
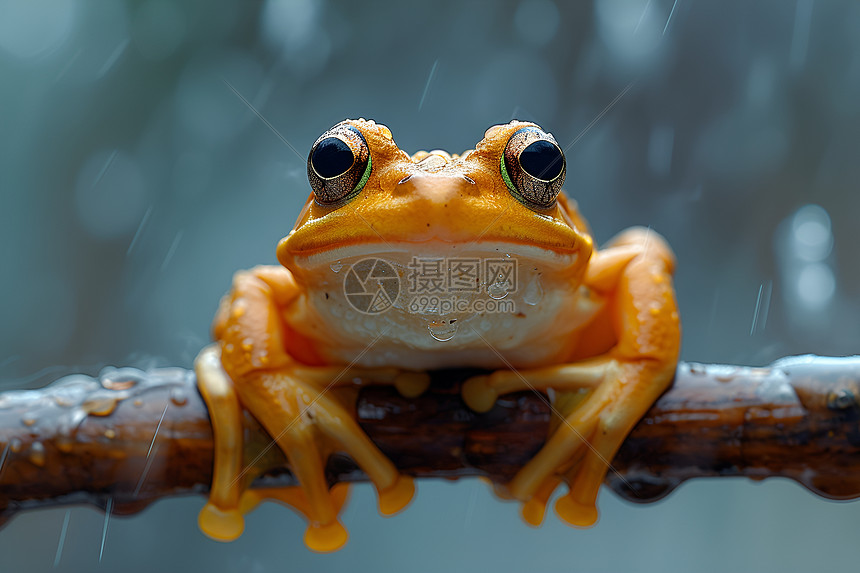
(479, 394)
(308, 422)
(412, 384)
(575, 513)
(326, 538)
(320, 537)
(221, 524)
(533, 512)
(534, 509)
(395, 498)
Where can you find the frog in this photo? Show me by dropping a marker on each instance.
(596, 332)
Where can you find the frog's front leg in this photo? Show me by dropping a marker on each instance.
(634, 272)
(296, 403)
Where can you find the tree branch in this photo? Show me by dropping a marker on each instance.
(135, 436)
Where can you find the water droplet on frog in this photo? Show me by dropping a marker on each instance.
(28, 420)
(534, 291)
(336, 266)
(37, 454)
(498, 290)
(442, 330)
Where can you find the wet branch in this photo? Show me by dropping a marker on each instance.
(135, 437)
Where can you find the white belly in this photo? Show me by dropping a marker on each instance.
(529, 323)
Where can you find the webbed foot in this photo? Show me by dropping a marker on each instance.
(307, 423)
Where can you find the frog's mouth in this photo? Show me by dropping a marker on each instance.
(405, 253)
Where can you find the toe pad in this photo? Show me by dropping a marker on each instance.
(326, 538)
(395, 498)
(221, 524)
(575, 513)
(478, 395)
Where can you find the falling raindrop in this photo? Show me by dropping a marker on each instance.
(3, 457)
(336, 266)
(62, 541)
(108, 509)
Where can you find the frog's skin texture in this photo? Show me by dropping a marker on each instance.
(598, 328)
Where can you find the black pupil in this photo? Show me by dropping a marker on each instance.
(332, 157)
(542, 160)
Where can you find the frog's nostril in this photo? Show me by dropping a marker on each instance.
(435, 189)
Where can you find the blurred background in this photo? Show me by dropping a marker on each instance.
(134, 181)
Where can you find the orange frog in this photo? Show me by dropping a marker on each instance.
(399, 264)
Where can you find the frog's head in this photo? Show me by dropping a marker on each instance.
(502, 199)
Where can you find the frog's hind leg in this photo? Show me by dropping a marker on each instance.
(534, 509)
(221, 518)
(313, 499)
(294, 413)
(563, 446)
(619, 385)
(578, 506)
(293, 497)
(297, 413)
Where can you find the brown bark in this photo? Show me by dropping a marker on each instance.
(82, 440)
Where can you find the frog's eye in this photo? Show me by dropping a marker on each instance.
(338, 164)
(533, 167)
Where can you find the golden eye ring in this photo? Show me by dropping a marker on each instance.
(533, 167)
(339, 164)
